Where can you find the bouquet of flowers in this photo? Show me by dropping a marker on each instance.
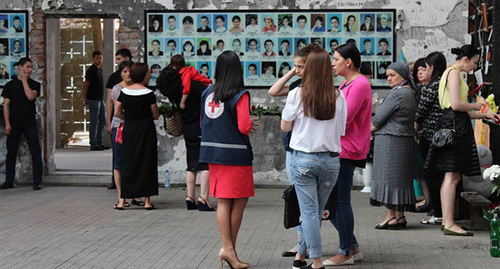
(493, 174)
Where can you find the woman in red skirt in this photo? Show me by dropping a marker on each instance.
(225, 146)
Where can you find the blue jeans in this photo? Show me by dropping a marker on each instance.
(97, 121)
(288, 160)
(13, 140)
(314, 176)
(343, 220)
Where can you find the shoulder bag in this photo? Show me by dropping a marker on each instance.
(444, 137)
(292, 210)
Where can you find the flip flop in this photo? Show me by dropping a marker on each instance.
(118, 207)
(150, 208)
(138, 203)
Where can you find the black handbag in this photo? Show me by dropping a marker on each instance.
(444, 137)
(292, 210)
(329, 211)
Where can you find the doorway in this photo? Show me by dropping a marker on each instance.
(71, 41)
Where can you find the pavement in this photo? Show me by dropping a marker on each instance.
(76, 227)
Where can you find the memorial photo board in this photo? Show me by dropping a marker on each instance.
(13, 42)
(267, 40)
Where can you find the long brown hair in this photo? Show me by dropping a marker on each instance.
(318, 93)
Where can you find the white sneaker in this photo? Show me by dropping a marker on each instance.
(358, 256)
(349, 261)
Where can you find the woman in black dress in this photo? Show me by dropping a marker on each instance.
(170, 84)
(460, 158)
(140, 157)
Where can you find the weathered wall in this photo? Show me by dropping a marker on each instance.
(424, 26)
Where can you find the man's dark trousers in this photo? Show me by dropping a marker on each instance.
(13, 141)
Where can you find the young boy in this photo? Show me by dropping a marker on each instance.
(187, 73)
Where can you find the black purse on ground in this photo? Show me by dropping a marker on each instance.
(292, 210)
(444, 137)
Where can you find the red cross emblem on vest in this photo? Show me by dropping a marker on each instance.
(326, 214)
(213, 109)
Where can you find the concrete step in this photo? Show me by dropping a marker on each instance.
(78, 178)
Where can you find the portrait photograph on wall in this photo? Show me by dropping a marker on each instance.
(13, 42)
(266, 41)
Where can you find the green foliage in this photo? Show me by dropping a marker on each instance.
(167, 109)
(260, 110)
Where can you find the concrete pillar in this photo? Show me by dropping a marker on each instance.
(53, 107)
(108, 65)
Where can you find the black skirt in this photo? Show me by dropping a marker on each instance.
(192, 137)
(140, 159)
(462, 156)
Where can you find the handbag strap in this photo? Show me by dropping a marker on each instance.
(446, 86)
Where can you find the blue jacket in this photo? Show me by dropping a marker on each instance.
(221, 140)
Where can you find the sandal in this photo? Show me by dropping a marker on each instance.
(204, 206)
(118, 207)
(399, 225)
(384, 226)
(138, 203)
(191, 204)
(151, 207)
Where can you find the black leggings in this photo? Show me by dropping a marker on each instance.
(434, 181)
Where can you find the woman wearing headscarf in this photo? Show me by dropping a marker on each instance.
(392, 126)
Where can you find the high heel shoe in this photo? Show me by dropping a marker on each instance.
(384, 226)
(191, 204)
(234, 264)
(204, 206)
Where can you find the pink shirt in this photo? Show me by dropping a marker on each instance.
(356, 142)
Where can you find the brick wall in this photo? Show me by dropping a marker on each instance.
(130, 38)
(37, 44)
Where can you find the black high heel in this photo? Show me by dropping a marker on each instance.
(384, 226)
(204, 206)
(191, 204)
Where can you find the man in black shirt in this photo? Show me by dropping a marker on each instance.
(93, 91)
(20, 118)
(115, 78)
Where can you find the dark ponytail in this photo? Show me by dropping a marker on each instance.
(468, 51)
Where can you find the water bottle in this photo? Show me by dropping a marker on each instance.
(167, 180)
(494, 237)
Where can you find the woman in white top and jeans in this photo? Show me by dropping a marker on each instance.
(317, 113)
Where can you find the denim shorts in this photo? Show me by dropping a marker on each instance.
(117, 151)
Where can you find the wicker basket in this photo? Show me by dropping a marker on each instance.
(173, 123)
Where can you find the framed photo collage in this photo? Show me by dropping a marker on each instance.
(13, 42)
(267, 40)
